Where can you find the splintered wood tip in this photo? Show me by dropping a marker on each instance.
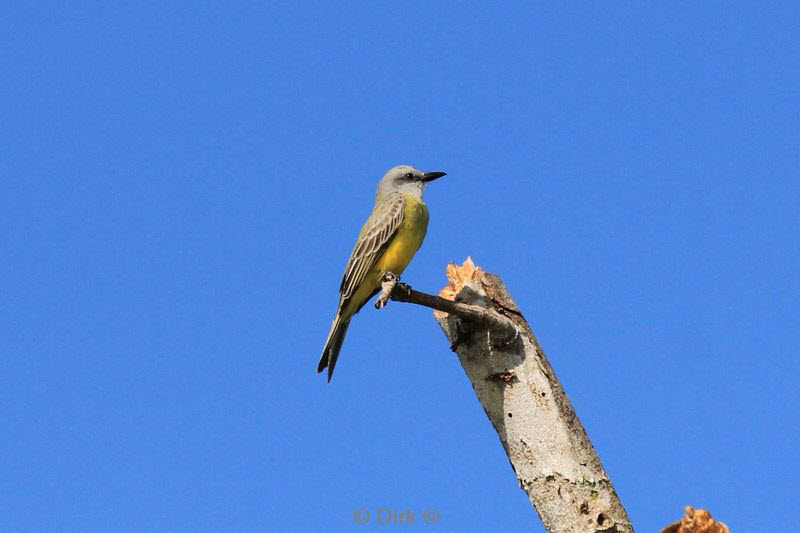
(458, 276)
(696, 521)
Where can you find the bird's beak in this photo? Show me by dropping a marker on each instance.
(430, 176)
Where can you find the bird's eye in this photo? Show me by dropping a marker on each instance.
(409, 175)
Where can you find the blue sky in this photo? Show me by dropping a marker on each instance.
(183, 184)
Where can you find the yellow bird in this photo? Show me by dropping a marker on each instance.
(388, 241)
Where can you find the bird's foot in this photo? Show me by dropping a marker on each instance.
(405, 287)
(388, 282)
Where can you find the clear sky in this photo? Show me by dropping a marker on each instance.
(182, 185)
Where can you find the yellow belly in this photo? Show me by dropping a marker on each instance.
(401, 250)
(407, 239)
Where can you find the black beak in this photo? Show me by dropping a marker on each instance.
(430, 176)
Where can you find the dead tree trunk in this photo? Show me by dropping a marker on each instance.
(545, 442)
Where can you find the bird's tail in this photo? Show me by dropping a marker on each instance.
(332, 346)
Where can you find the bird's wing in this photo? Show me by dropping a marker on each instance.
(374, 237)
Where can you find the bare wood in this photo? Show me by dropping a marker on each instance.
(696, 521)
(554, 461)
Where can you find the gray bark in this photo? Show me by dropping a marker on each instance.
(546, 444)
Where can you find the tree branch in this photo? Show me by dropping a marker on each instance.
(502, 328)
(546, 444)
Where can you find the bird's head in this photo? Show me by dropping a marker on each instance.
(407, 180)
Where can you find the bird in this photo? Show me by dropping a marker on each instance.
(388, 241)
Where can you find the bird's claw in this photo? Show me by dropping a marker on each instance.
(389, 281)
(405, 287)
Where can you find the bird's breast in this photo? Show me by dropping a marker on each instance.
(408, 238)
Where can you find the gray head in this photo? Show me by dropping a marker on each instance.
(407, 180)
